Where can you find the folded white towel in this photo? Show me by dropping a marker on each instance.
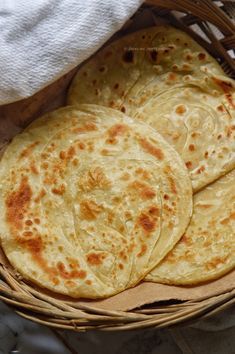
(43, 39)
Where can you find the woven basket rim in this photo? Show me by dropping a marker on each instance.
(38, 307)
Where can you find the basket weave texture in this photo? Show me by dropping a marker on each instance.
(212, 24)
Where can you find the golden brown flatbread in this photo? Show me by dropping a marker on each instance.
(207, 249)
(161, 76)
(91, 201)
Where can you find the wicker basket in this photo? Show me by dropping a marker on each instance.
(211, 24)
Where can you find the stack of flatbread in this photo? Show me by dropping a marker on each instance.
(133, 180)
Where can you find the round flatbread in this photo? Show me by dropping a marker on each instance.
(91, 201)
(163, 77)
(207, 249)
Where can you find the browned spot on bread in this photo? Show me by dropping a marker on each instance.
(27, 233)
(143, 250)
(33, 168)
(226, 221)
(120, 266)
(81, 145)
(172, 184)
(189, 57)
(102, 69)
(116, 86)
(55, 281)
(131, 247)
(207, 243)
(50, 179)
(67, 155)
(95, 258)
(214, 262)
(51, 147)
(172, 76)
(147, 223)
(186, 239)
(123, 109)
(44, 155)
(60, 190)
(232, 216)
(170, 257)
(87, 127)
(105, 152)
(71, 152)
(17, 204)
(153, 54)
(206, 154)
(175, 67)
(81, 274)
(229, 132)
(128, 56)
(128, 214)
(201, 56)
(167, 208)
(147, 193)
(28, 222)
(188, 164)
(186, 66)
(200, 169)
(27, 151)
(89, 209)
(75, 162)
(95, 178)
(220, 108)
(151, 149)
(88, 282)
(142, 172)
(73, 263)
(110, 217)
(45, 165)
(111, 141)
(204, 206)
(180, 109)
(125, 176)
(226, 86)
(144, 190)
(121, 229)
(37, 221)
(191, 147)
(62, 155)
(116, 199)
(34, 245)
(123, 255)
(41, 194)
(70, 283)
(195, 134)
(117, 130)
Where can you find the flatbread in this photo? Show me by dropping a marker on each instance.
(207, 249)
(91, 201)
(163, 77)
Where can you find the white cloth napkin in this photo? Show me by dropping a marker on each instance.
(43, 39)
